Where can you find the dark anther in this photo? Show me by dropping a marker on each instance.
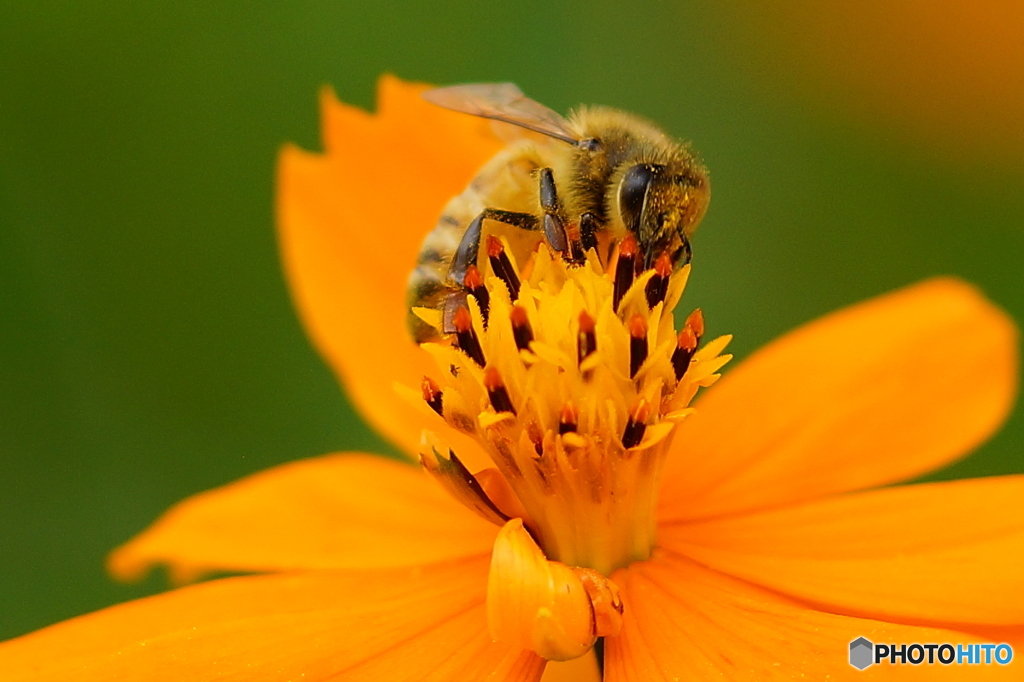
(586, 342)
(432, 395)
(568, 420)
(625, 269)
(657, 285)
(475, 284)
(637, 344)
(502, 266)
(695, 321)
(536, 436)
(472, 483)
(636, 426)
(497, 392)
(521, 330)
(686, 344)
(466, 338)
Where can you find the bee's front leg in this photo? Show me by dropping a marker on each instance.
(466, 255)
(684, 254)
(554, 224)
(469, 246)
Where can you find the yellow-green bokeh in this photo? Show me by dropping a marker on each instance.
(148, 349)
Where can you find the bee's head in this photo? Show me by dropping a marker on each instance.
(661, 204)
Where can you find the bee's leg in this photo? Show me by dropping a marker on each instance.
(554, 225)
(588, 231)
(469, 247)
(455, 300)
(684, 254)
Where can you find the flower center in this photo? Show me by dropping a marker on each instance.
(573, 379)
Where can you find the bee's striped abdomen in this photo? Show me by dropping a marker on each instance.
(505, 182)
(429, 285)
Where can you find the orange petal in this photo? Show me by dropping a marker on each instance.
(873, 394)
(536, 604)
(939, 552)
(350, 224)
(399, 624)
(337, 511)
(582, 669)
(683, 622)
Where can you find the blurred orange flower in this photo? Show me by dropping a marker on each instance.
(950, 77)
(771, 554)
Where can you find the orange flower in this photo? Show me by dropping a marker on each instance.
(768, 554)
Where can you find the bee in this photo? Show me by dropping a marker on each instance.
(578, 183)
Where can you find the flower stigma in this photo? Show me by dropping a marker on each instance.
(572, 377)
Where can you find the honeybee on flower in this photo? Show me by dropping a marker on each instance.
(564, 362)
(580, 183)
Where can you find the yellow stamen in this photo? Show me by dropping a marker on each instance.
(573, 386)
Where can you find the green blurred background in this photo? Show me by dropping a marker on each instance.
(148, 348)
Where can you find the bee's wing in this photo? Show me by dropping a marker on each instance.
(502, 102)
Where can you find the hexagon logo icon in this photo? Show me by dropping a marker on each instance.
(862, 653)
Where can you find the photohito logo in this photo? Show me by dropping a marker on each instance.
(864, 653)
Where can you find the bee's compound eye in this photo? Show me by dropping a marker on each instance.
(589, 144)
(633, 192)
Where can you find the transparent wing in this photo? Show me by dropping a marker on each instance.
(502, 102)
